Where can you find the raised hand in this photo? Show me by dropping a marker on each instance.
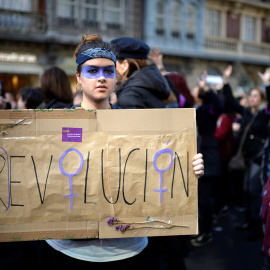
(265, 76)
(227, 73)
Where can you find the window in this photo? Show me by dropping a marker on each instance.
(213, 23)
(160, 17)
(113, 14)
(20, 5)
(249, 32)
(90, 12)
(191, 21)
(16, 15)
(104, 14)
(175, 18)
(65, 11)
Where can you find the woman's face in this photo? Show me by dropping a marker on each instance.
(97, 78)
(122, 66)
(255, 98)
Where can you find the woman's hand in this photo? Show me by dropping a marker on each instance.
(265, 77)
(226, 74)
(157, 58)
(198, 166)
(202, 82)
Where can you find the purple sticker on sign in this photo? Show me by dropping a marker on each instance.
(71, 134)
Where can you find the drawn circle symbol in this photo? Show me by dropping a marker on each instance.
(159, 153)
(61, 162)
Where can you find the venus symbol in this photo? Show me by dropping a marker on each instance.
(159, 153)
(71, 195)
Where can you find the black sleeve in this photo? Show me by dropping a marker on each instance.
(131, 100)
(267, 90)
(212, 98)
(231, 100)
(172, 87)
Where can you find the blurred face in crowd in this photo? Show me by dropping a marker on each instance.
(255, 98)
(122, 66)
(21, 103)
(98, 79)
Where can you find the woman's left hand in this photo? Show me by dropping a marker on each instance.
(202, 82)
(265, 76)
(198, 166)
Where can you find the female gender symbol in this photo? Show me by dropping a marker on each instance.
(70, 175)
(159, 153)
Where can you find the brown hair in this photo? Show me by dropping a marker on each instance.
(91, 41)
(55, 84)
(133, 65)
(260, 90)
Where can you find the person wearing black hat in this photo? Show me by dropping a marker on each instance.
(142, 85)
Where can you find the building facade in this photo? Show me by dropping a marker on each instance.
(38, 34)
(193, 35)
(198, 35)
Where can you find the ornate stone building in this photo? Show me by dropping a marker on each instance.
(37, 34)
(193, 35)
(197, 35)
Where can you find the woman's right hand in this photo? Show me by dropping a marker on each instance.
(226, 74)
(265, 77)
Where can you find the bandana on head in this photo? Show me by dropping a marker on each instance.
(95, 53)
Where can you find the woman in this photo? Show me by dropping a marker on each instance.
(252, 147)
(176, 81)
(96, 76)
(142, 85)
(225, 139)
(55, 89)
(29, 98)
(4, 103)
(208, 108)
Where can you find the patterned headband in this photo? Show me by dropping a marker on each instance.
(95, 53)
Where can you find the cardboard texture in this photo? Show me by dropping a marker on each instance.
(64, 173)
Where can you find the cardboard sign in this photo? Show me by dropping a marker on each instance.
(70, 174)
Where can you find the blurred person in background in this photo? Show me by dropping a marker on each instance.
(208, 108)
(4, 103)
(142, 85)
(29, 98)
(55, 89)
(257, 116)
(180, 96)
(10, 97)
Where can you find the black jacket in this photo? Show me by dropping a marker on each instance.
(145, 88)
(113, 107)
(54, 104)
(257, 133)
(206, 116)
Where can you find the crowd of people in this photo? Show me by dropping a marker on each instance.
(126, 74)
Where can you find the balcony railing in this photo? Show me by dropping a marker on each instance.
(252, 48)
(220, 44)
(237, 48)
(22, 22)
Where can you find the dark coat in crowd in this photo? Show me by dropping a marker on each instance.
(257, 134)
(145, 88)
(54, 104)
(206, 116)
